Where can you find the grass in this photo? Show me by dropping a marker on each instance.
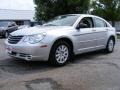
(118, 36)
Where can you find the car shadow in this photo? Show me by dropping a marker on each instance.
(88, 56)
(18, 66)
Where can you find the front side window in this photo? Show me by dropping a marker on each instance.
(64, 20)
(86, 22)
(99, 23)
(13, 24)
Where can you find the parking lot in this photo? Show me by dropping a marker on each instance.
(91, 71)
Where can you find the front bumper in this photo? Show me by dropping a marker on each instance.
(29, 52)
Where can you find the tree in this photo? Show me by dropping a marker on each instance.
(47, 9)
(108, 9)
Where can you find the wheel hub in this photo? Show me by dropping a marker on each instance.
(62, 54)
(111, 45)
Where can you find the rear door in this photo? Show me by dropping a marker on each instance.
(100, 29)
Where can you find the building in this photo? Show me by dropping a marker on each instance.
(21, 17)
(117, 25)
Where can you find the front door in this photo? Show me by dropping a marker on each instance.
(85, 35)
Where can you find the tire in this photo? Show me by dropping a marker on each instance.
(110, 45)
(6, 34)
(60, 53)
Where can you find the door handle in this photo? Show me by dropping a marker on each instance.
(107, 29)
(94, 30)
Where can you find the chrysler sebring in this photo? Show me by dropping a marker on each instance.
(61, 38)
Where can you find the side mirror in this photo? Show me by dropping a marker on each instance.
(82, 25)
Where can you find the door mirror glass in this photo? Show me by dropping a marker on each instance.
(82, 25)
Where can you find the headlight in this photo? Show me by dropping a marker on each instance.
(32, 39)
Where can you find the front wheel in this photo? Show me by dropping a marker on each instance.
(60, 53)
(110, 45)
(6, 34)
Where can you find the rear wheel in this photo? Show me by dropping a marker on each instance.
(110, 45)
(60, 53)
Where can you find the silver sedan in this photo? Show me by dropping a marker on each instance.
(61, 38)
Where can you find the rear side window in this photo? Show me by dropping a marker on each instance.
(99, 23)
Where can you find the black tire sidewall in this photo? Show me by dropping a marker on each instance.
(52, 58)
(6, 33)
(107, 47)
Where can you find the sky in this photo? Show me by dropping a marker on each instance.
(17, 4)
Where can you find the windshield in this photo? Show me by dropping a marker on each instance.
(3, 23)
(65, 20)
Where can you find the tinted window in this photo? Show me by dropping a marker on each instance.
(13, 24)
(99, 23)
(87, 21)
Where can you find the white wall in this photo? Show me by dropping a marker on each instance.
(6, 14)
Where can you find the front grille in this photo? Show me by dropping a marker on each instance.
(14, 39)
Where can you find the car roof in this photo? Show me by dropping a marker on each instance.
(86, 15)
(89, 15)
(81, 15)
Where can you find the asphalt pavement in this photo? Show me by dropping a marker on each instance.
(90, 71)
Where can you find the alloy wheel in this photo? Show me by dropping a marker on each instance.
(62, 54)
(111, 45)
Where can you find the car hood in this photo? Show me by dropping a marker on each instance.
(39, 29)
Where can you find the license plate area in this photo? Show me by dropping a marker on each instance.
(9, 49)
